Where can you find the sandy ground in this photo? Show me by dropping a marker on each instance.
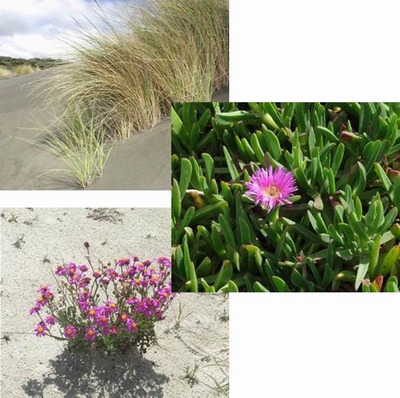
(140, 163)
(193, 336)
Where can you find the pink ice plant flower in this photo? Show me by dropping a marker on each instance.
(270, 188)
(70, 332)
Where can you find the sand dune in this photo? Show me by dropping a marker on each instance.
(142, 162)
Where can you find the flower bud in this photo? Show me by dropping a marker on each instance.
(347, 137)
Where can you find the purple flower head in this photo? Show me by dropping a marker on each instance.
(40, 329)
(112, 306)
(51, 320)
(132, 301)
(84, 282)
(61, 270)
(83, 268)
(166, 262)
(123, 261)
(97, 274)
(102, 320)
(124, 317)
(34, 310)
(84, 304)
(43, 289)
(90, 333)
(105, 281)
(131, 325)
(270, 188)
(41, 302)
(112, 274)
(70, 332)
(112, 330)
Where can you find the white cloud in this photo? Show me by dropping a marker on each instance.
(33, 28)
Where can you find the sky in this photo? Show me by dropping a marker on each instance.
(33, 28)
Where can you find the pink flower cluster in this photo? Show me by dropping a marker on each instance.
(140, 293)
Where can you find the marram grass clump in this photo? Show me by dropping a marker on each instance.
(286, 197)
(164, 51)
(130, 70)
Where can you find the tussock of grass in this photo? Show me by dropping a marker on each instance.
(80, 141)
(19, 70)
(171, 50)
(4, 72)
(23, 70)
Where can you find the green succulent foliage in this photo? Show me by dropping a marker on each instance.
(341, 232)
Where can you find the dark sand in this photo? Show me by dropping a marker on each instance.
(140, 163)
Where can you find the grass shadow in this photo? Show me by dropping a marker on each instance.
(77, 374)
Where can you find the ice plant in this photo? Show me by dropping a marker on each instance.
(112, 307)
(270, 188)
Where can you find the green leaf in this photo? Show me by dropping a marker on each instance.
(280, 284)
(225, 118)
(337, 158)
(224, 275)
(176, 121)
(361, 270)
(258, 287)
(357, 227)
(186, 175)
(209, 166)
(272, 114)
(361, 181)
(389, 220)
(396, 192)
(227, 231)
(299, 280)
(187, 218)
(389, 260)
(274, 146)
(328, 134)
(233, 287)
(204, 269)
(208, 211)
(231, 166)
(204, 119)
(176, 200)
(392, 285)
(255, 144)
(383, 177)
(374, 257)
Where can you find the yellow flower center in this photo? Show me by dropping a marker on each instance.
(272, 191)
(69, 331)
(90, 332)
(40, 329)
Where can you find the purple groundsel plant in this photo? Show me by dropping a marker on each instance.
(136, 295)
